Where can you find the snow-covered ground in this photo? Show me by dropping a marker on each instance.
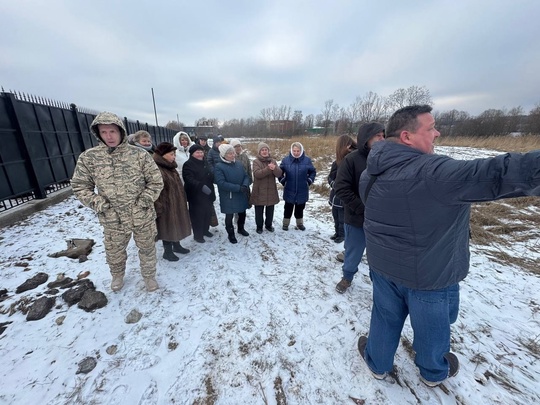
(254, 323)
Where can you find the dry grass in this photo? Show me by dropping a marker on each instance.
(501, 143)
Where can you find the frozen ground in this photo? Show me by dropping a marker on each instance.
(254, 323)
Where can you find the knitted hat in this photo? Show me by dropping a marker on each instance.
(194, 148)
(203, 137)
(262, 145)
(235, 142)
(164, 148)
(224, 148)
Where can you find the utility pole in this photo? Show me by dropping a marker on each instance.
(154, 101)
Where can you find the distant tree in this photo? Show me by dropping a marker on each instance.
(533, 120)
(328, 113)
(309, 121)
(203, 122)
(175, 125)
(452, 123)
(412, 95)
(371, 108)
(515, 120)
(298, 122)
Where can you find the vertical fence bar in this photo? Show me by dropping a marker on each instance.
(39, 189)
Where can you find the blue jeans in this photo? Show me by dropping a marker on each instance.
(431, 311)
(355, 244)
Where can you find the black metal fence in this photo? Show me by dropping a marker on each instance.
(40, 142)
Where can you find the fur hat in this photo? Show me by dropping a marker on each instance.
(235, 142)
(224, 148)
(262, 145)
(164, 147)
(194, 148)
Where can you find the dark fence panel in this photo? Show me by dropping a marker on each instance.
(40, 142)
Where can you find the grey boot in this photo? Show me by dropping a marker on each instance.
(300, 224)
(286, 222)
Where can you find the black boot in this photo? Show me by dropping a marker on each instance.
(241, 223)
(177, 247)
(232, 237)
(168, 254)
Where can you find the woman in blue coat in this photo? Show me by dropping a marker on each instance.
(298, 174)
(233, 186)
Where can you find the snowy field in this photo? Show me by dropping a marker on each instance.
(258, 322)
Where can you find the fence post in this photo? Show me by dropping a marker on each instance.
(39, 189)
(75, 112)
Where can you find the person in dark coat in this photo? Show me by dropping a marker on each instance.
(346, 188)
(344, 145)
(417, 213)
(213, 156)
(233, 186)
(203, 141)
(172, 213)
(298, 174)
(199, 186)
(264, 194)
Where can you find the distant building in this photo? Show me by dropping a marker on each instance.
(207, 130)
(282, 126)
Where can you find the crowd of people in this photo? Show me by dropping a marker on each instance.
(391, 196)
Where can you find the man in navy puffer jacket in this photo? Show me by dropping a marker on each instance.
(417, 236)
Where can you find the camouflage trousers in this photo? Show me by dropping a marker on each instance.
(116, 238)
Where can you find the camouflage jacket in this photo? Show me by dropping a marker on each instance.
(120, 179)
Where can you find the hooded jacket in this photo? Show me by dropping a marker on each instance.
(182, 153)
(126, 178)
(348, 175)
(418, 208)
(298, 174)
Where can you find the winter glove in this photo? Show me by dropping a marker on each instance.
(206, 190)
(244, 189)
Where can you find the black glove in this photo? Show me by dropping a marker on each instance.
(244, 189)
(206, 190)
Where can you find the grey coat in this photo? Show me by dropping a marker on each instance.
(417, 210)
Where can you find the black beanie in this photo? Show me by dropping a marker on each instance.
(195, 148)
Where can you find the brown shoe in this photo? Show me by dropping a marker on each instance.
(342, 286)
(117, 281)
(151, 284)
(340, 257)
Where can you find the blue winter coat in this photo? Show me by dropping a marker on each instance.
(417, 210)
(229, 177)
(298, 174)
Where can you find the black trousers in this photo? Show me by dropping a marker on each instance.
(297, 208)
(259, 216)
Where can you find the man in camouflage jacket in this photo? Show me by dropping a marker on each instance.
(120, 183)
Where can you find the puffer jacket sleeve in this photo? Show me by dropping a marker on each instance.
(154, 182)
(311, 172)
(83, 185)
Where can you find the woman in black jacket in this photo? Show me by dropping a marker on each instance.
(199, 186)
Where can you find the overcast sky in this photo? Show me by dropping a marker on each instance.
(230, 59)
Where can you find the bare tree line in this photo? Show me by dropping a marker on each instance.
(334, 119)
